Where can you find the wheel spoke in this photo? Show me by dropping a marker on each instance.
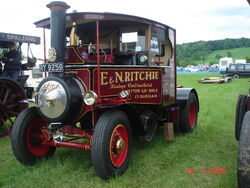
(13, 113)
(12, 105)
(14, 97)
(2, 89)
(6, 96)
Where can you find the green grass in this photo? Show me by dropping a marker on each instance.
(156, 164)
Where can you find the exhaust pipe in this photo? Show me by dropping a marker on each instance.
(58, 28)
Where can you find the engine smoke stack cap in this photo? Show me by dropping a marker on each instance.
(58, 5)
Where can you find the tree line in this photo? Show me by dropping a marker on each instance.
(189, 53)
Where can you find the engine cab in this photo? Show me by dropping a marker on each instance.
(114, 54)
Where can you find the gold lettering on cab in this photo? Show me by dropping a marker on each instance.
(128, 76)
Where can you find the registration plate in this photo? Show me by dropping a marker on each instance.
(51, 67)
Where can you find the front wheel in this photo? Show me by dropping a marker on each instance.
(111, 144)
(243, 164)
(28, 133)
(189, 114)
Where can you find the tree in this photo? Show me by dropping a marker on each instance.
(218, 56)
(247, 59)
(229, 54)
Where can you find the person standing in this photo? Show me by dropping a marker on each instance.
(12, 61)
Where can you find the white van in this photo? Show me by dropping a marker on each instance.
(224, 64)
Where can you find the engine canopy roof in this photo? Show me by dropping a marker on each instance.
(84, 17)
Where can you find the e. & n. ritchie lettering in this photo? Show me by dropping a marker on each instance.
(127, 76)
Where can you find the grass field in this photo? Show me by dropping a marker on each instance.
(156, 164)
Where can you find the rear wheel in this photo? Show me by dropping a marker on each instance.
(111, 143)
(29, 131)
(243, 164)
(241, 109)
(10, 106)
(189, 114)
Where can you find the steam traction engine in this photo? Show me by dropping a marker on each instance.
(115, 76)
(13, 94)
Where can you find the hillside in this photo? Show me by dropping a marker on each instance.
(209, 52)
(236, 53)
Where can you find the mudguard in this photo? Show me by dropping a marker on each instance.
(182, 95)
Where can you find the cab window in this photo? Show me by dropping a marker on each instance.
(160, 47)
(133, 42)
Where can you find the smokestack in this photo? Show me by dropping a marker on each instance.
(57, 26)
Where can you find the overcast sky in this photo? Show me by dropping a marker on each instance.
(194, 20)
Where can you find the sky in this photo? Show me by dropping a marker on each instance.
(193, 20)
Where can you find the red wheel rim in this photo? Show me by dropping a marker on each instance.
(118, 145)
(192, 114)
(34, 137)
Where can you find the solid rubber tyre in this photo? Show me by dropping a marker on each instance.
(111, 127)
(26, 137)
(241, 109)
(243, 163)
(189, 114)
